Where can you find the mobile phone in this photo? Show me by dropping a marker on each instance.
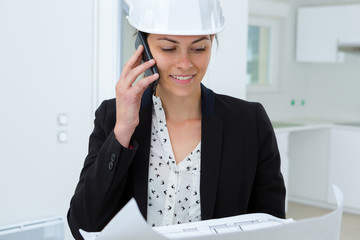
(146, 55)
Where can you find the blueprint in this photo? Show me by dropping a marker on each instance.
(129, 224)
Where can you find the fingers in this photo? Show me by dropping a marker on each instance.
(134, 58)
(136, 90)
(133, 68)
(133, 61)
(137, 71)
(142, 84)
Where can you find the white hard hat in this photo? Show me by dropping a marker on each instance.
(177, 17)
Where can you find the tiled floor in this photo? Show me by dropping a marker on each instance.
(350, 228)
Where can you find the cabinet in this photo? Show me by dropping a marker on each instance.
(308, 164)
(283, 142)
(315, 157)
(321, 28)
(344, 165)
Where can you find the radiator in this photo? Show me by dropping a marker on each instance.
(43, 229)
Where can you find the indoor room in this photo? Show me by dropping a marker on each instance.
(60, 61)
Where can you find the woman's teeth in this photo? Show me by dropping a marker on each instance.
(182, 78)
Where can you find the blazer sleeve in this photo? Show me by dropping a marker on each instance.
(268, 193)
(103, 187)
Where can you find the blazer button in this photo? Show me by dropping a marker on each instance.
(111, 165)
(112, 160)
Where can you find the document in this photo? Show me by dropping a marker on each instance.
(129, 224)
(220, 226)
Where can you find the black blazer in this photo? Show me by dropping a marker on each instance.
(240, 164)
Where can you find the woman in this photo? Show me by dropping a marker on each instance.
(183, 152)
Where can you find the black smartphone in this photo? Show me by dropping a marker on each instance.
(146, 55)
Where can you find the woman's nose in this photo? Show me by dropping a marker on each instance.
(184, 61)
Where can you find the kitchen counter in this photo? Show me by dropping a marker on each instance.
(316, 153)
(354, 126)
(312, 124)
(292, 126)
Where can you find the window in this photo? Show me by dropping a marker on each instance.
(262, 54)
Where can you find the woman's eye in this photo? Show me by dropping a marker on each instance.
(202, 49)
(168, 49)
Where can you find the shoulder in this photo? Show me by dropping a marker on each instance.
(106, 108)
(241, 113)
(220, 104)
(225, 104)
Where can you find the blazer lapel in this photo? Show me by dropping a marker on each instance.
(140, 167)
(211, 147)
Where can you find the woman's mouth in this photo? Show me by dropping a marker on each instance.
(182, 79)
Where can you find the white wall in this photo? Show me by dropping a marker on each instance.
(227, 69)
(330, 90)
(46, 63)
(107, 48)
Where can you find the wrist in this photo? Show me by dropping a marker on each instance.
(123, 135)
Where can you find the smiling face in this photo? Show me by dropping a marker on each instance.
(182, 62)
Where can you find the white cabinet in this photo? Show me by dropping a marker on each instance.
(344, 165)
(283, 143)
(321, 28)
(314, 158)
(308, 165)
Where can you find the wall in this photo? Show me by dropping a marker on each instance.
(227, 69)
(107, 49)
(46, 65)
(330, 90)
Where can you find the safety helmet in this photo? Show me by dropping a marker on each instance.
(177, 17)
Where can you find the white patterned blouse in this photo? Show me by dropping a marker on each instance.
(173, 189)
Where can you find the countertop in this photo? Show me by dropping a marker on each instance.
(292, 125)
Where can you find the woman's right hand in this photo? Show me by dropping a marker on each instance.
(128, 96)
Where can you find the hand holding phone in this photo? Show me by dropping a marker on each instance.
(129, 95)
